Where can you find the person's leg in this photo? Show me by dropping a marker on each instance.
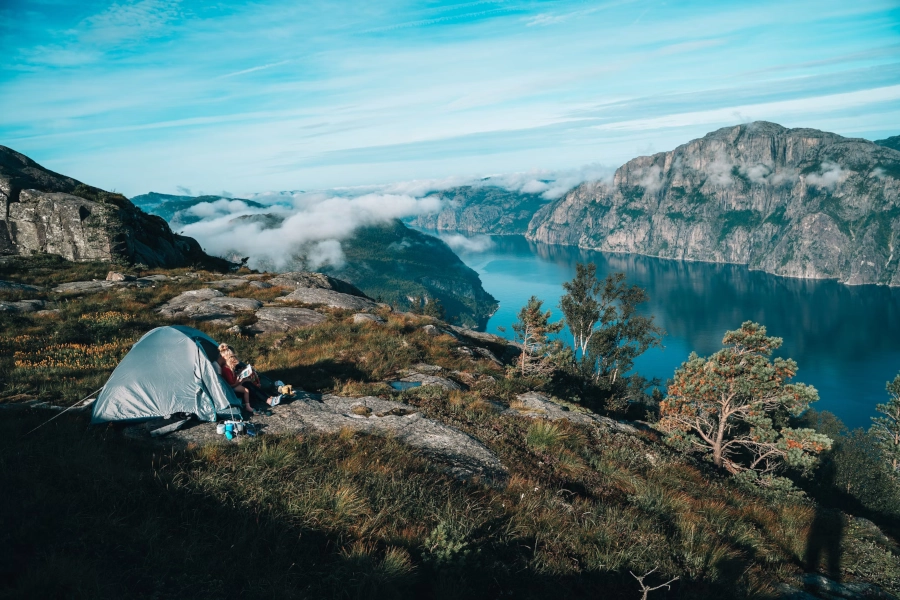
(246, 394)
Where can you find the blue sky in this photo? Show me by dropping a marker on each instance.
(246, 97)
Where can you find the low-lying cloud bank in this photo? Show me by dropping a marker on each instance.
(305, 229)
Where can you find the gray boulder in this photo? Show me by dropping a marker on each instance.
(282, 319)
(116, 276)
(85, 287)
(12, 286)
(538, 405)
(226, 284)
(208, 305)
(305, 279)
(426, 380)
(368, 318)
(464, 455)
(329, 298)
(21, 306)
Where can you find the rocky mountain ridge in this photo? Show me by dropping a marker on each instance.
(45, 212)
(482, 209)
(792, 202)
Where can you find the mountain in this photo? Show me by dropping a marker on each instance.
(482, 209)
(45, 212)
(792, 202)
(169, 206)
(892, 142)
(397, 265)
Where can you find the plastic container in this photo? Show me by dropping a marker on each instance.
(220, 428)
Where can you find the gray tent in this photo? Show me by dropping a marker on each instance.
(167, 371)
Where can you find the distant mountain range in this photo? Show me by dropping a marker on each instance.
(792, 202)
(169, 207)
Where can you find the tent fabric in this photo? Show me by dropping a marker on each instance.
(166, 371)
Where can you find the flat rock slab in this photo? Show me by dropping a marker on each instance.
(261, 285)
(464, 455)
(367, 318)
(85, 287)
(208, 305)
(9, 286)
(305, 279)
(537, 405)
(22, 306)
(329, 298)
(277, 319)
(426, 380)
(226, 284)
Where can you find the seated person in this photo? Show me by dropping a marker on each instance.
(228, 362)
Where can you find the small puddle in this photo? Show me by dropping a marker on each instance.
(404, 385)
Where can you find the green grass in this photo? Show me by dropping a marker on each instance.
(96, 515)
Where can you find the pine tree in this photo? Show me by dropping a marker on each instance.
(729, 405)
(533, 330)
(886, 429)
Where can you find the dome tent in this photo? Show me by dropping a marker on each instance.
(168, 370)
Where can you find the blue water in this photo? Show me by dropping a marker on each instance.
(845, 339)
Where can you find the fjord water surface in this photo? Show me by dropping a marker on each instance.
(845, 339)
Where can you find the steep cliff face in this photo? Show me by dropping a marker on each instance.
(45, 212)
(483, 209)
(793, 202)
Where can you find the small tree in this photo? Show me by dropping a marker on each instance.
(728, 405)
(580, 306)
(886, 429)
(533, 330)
(434, 308)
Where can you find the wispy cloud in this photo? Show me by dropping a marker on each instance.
(287, 95)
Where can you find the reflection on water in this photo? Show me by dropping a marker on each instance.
(845, 339)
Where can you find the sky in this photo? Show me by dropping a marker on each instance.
(236, 98)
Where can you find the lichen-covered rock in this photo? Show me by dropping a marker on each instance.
(282, 319)
(208, 305)
(329, 298)
(793, 202)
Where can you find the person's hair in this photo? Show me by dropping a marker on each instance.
(231, 360)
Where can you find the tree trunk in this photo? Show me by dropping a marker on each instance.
(718, 443)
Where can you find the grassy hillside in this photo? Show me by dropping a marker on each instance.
(95, 514)
(397, 264)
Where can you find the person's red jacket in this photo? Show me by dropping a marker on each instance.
(229, 376)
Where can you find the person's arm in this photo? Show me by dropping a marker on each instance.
(228, 376)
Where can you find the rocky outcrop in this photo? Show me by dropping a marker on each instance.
(271, 319)
(329, 298)
(464, 455)
(305, 279)
(793, 202)
(45, 212)
(207, 304)
(538, 405)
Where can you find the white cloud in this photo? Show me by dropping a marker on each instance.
(651, 179)
(720, 171)
(312, 230)
(830, 174)
(462, 244)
